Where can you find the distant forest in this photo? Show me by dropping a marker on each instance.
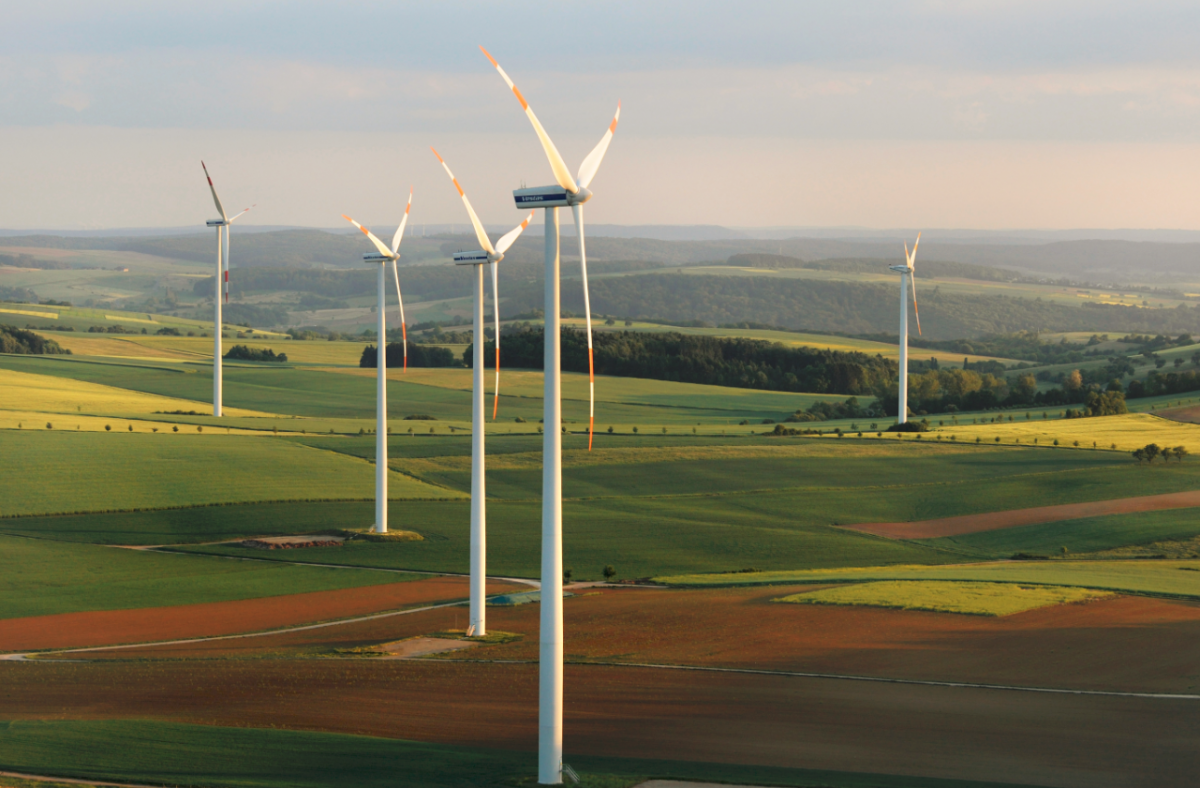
(716, 361)
(698, 299)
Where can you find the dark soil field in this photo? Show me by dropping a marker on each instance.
(1063, 740)
(993, 521)
(112, 627)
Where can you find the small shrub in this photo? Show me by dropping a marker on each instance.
(635, 430)
(108, 428)
(1056, 441)
(49, 426)
(199, 428)
(173, 429)
(609, 572)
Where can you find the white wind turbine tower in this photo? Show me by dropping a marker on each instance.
(222, 226)
(492, 255)
(572, 192)
(906, 280)
(382, 257)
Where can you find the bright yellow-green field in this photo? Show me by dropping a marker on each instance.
(979, 599)
(1167, 578)
(1130, 431)
(196, 348)
(114, 346)
(298, 351)
(25, 393)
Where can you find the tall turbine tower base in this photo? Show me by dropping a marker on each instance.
(381, 465)
(902, 405)
(217, 324)
(550, 646)
(478, 623)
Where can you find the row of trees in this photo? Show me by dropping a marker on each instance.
(246, 353)
(1151, 451)
(718, 361)
(418, 356)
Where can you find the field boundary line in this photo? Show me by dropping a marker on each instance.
(73, 780)
(847, 677)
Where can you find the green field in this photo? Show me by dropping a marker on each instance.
(66, 472)
(41, 578)
(1157, 578)
(172, 754)
(654, 505)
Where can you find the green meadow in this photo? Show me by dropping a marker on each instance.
(40, 578)
(65, 472)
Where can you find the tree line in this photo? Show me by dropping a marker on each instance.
(717, 361)
(22, 342)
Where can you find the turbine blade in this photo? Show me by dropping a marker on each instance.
(383, 250)
(907, 256)
(912, 281)
(509, 238)
(399, 236)
(559, 167)
(479, 232)
(243, 213)
(403, 325)
(587, 314)
(213, 189)
(587, 170)
(496, 320)
(916, 243)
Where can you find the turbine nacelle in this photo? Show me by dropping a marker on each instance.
(550, 197)
(903, 269)
(376, 257)
(478, 257)
(217, 223)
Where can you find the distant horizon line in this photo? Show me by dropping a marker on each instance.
(682, 232)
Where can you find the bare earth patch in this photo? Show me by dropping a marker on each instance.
(292, 542)
(419, 647)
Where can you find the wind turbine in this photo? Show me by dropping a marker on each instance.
(906, 279)
(222, 226)
(487, 255)
(382, 257)
(571, 192)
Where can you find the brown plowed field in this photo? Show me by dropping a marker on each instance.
(1018, 737)
(1123, 643)
(112, 627)
(994, 521)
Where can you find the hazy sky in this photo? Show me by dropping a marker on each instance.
(879, 114)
